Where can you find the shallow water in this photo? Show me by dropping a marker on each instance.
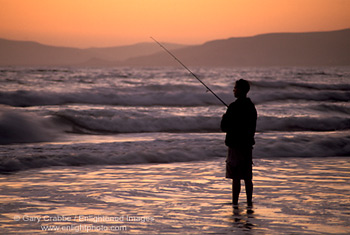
(291, 195)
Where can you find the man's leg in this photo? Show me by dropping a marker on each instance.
(249, 191)
(236, 189)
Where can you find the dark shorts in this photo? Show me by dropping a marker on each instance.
(239, 163)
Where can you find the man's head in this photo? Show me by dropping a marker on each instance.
(241, 88)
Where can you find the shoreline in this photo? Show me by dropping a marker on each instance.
(291, 195)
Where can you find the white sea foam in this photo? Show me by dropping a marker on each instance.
(153, 95)
(19, 127)
(52, 105)
(167, 147)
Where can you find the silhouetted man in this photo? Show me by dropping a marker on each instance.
(239, 123)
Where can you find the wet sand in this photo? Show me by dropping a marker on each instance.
(291, 196)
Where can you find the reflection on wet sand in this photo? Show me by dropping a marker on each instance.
(303, 195)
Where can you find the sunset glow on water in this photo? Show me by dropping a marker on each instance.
(305, 195)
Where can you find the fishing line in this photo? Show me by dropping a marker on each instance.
(194, 75)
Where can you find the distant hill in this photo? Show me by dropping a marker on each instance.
(32, 53)
(277, 49)
(122, 53)
(21, 53)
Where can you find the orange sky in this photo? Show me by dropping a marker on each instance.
(99, 23)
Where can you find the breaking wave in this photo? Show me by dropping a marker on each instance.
(133, 121)
(18, 127)
(173, 97)
(173, 149)
(302, 112)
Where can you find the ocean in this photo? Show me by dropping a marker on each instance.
(69, 116)
(146, 142)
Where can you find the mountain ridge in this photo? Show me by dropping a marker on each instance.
(328, 48)
(30, 53)
(274, 49)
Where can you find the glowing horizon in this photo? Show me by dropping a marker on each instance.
(100, 23)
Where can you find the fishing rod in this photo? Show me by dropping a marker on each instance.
(194, 75)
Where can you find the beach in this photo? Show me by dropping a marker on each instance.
(291, 196)
(139, 150)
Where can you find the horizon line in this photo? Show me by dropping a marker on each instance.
(175, 43)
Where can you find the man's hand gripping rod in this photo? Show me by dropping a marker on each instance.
(189, 71)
